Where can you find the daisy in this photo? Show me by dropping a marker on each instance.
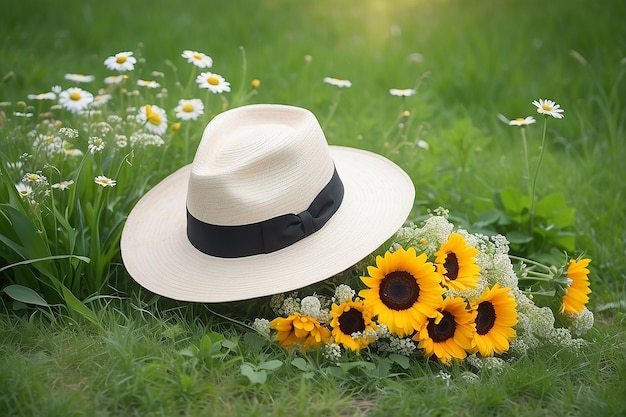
(337, 82)
(549, 108)
(63, 185)
(456, 262)
(104, 181)
(402, 92)
(75, 100)
(522, 121)
(451, 336)
(189, 109)
(42, 96)
(101, 99)
(576, 293)
(149, 84)
(496, 315)
(352, 325)
(403, 291)
(80, 78)
(122, 61)
(214, 82)
(199, 59)
(300, 329)
(23, 189)
(153, 118)
(115, 79)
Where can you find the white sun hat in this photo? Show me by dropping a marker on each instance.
(266, 207)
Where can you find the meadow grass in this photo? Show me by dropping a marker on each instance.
(140, 356)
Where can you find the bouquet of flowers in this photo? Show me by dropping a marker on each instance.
(440, 292)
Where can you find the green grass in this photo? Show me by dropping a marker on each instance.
(479, 60)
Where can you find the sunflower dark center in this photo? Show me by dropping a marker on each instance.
(399, 290)
(351, 321)
(486, 318)
(444, 330)
(452, 266)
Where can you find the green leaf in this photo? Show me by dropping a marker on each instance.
(488, 217)
(25, 295)
(401, 360)
(255, 377)
(77, 306)
(513, 201)
(518, 237)
(270, 365)
(301, 364)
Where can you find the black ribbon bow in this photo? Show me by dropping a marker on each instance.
(269, 235)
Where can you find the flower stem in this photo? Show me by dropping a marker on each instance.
(534, 184)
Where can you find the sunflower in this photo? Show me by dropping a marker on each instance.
(495, 318)
(352, 317)
(456, 262)
(576, 293)
(299, 329)
(403, 291)
(451, 335)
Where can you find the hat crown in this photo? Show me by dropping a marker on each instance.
(258, 162)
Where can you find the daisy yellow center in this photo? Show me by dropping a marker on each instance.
(485, 318)
(153, 117)
(452, 266)
(197, 57)
(351, 321)
(121, 59)
(399, 290)
(75, 96)
(188, 108)
(213, 80)
(546, 107)
(24, 192)
(444, 330)
(519, 120)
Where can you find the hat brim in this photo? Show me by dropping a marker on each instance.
(378, 197)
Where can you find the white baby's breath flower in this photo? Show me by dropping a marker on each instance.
(199, 59)
(122, 61)
(262, 326)
(337, 82)
(104, 181)
(549, 108)
(310, 306)
(343, 294)
(68, 132)
(332, 352)
(213, 82)
(583, 321)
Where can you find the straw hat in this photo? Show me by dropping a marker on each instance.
(267, 206)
